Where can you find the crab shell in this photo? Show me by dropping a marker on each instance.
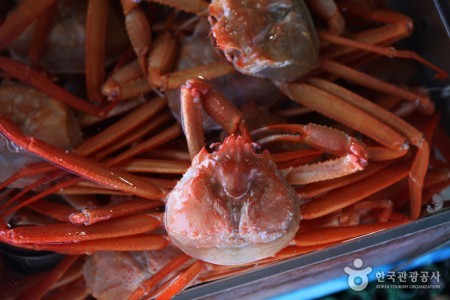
(232, 206)
(279, 42)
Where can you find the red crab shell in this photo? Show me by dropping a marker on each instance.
(271, 39)
(232, 206)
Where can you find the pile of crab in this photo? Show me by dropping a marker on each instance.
(182, 141)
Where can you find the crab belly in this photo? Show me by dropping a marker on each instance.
(209, 221)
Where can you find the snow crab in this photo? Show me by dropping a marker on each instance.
(238, 204)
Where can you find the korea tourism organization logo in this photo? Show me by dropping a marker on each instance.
(358, 278)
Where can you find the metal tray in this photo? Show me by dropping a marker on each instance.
(431, 39)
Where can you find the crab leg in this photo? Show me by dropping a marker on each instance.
(197, 92)
(146, 287)
(376, 84)
(352, 154)
(134, 136)
(47, 281)
(67, 233)
(91, 216)
(54, 210)
(343, 112)
(122, 128)
(321, 187)
(96, 23)
(79, 165)
(139, 242)
(331, 235)
(20, 18)
(183, 280)
(414, 136)
(349, 195)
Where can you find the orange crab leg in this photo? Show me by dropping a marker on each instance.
(45, 85)
(376, 84)
(335, 234)
(122, 128)
(91, 216)
(183, 280)
(210, 71)
(349, 195)
(343, 112)
(54, 210)
(20, 18)
(161, 138)
(46, 282)
(155, 166)
(383, 153)
(353, 155)
(139, 242)
(96, 23)
(400, 125)
(66, 233)
(197, 92)
(134, 136)
(146, 287)
(79, 165)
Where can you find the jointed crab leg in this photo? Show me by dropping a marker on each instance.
(147, 286)
(352, 154)
(349, 195)
(67, 233)
(371, 82)
(330, 235)
(79, 165)
(196, 94)
(337, 109)
(138, 242)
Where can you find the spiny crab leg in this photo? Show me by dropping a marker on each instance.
(352, 154)
(79, 165)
